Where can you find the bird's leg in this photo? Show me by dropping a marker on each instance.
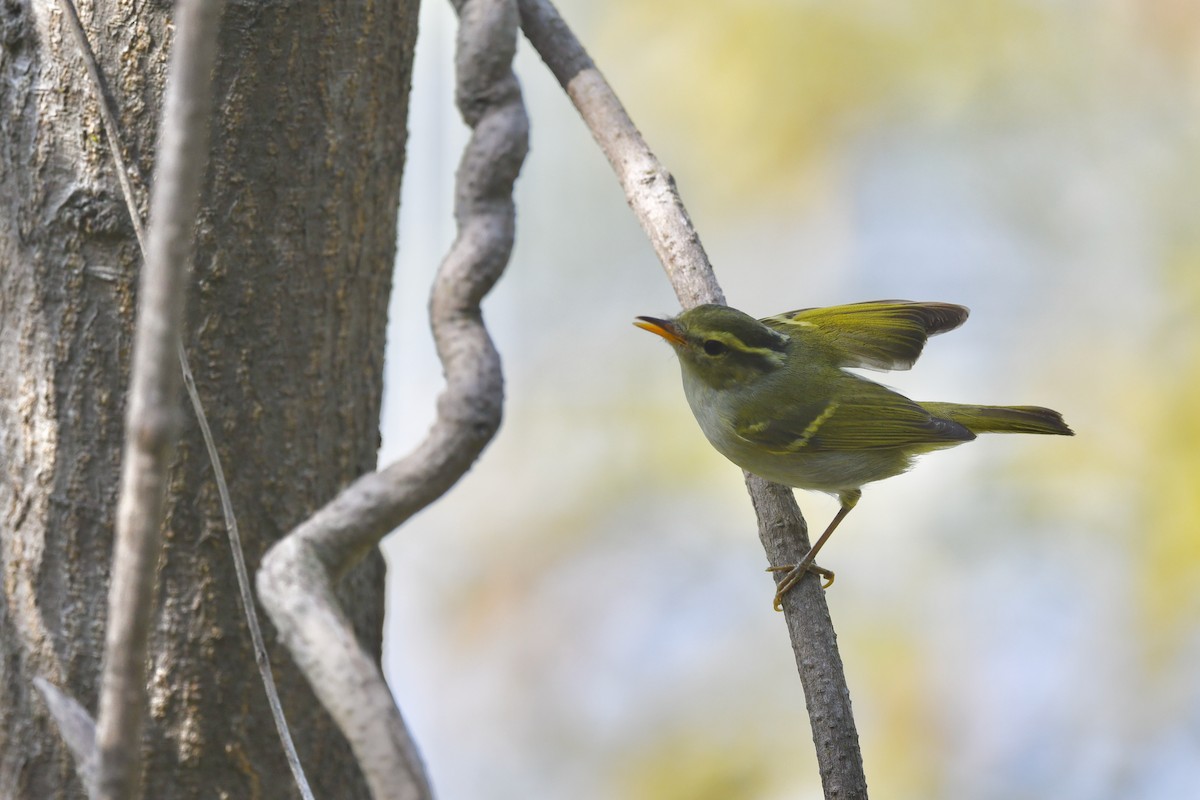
(827, 574)
(797, 571)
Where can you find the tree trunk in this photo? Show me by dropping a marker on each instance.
(286, 324)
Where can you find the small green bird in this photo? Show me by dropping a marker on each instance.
(774, 397)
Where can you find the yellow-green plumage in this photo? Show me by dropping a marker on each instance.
(774, 396)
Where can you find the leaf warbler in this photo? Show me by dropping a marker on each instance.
(774, 397)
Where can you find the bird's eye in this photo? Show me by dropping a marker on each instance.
(715, 348)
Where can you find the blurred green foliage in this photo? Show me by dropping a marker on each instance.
(769, 90)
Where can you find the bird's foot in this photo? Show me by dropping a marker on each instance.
(794, 573)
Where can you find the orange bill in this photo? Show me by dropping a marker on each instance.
(663, 327)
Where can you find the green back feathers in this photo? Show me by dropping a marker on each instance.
(881, 334)
(734, 347)
(868, 417)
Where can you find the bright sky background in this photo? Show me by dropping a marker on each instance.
(586, 615)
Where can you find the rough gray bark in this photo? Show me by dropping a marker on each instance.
(152, 414)
(287, 312)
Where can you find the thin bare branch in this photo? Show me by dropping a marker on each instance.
(152, 417)
(125, 173)
(76, 727)
(296, 579)
(784, 536)
(108, 115)
(649, 188)
(261, 659)
(652, 195)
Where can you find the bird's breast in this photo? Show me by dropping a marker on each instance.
(819, 470)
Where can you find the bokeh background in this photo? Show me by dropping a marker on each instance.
(586, 615)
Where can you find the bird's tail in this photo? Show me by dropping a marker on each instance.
(1001, 419)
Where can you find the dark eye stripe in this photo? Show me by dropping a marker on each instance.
(765, 339)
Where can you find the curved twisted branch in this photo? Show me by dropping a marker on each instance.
(296, 579)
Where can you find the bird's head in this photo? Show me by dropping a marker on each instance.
(720, 345)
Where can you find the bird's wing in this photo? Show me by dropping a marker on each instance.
(869, 416)
(881, 334)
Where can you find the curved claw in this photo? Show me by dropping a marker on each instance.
(794, 573)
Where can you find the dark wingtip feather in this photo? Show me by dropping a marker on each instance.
(1055, 420)
(941, 317)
